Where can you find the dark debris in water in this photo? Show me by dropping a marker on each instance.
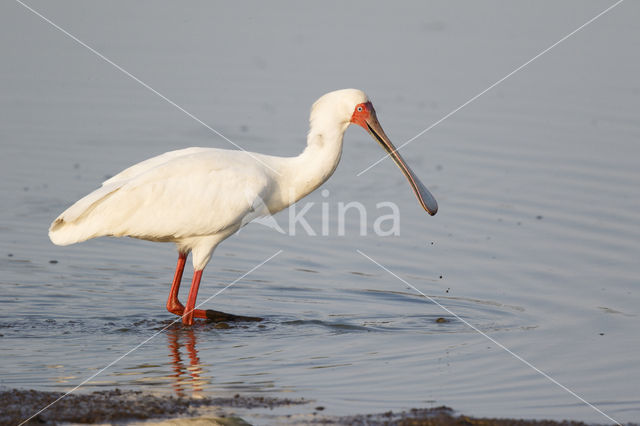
(115, 405)
(437, 416)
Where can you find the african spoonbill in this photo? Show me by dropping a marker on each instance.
(197, 197)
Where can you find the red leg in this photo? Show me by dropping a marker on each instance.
(189, 311)
(173, 304)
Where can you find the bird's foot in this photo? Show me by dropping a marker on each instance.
(212, 316)
(217, 316)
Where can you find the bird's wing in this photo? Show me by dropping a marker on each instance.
(81, 206)
(202, 193)
(148, 164)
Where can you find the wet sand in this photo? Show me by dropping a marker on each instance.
(116, 406)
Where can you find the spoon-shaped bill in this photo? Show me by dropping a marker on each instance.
(425, 198)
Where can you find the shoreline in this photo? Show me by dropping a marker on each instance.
(137, 407)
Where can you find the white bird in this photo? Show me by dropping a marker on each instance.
(197, 197)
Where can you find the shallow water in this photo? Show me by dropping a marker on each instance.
(536, 243)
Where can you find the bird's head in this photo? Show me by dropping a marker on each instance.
(360, 111)
(352, 106)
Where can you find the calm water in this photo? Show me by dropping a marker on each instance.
(536, 243)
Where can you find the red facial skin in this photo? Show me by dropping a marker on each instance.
(361, 114)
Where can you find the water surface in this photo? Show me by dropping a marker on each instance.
(536, 242)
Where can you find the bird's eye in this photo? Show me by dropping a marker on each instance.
(359, 109)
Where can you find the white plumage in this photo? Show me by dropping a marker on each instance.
(197, 197)
(180, 196)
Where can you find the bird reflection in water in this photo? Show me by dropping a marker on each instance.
(186, 378)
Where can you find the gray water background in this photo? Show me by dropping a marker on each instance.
(537, 241)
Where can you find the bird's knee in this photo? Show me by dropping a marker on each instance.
(175, 308)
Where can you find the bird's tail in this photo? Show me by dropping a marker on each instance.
(74, 224)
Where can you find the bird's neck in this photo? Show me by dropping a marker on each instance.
(316, 163)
